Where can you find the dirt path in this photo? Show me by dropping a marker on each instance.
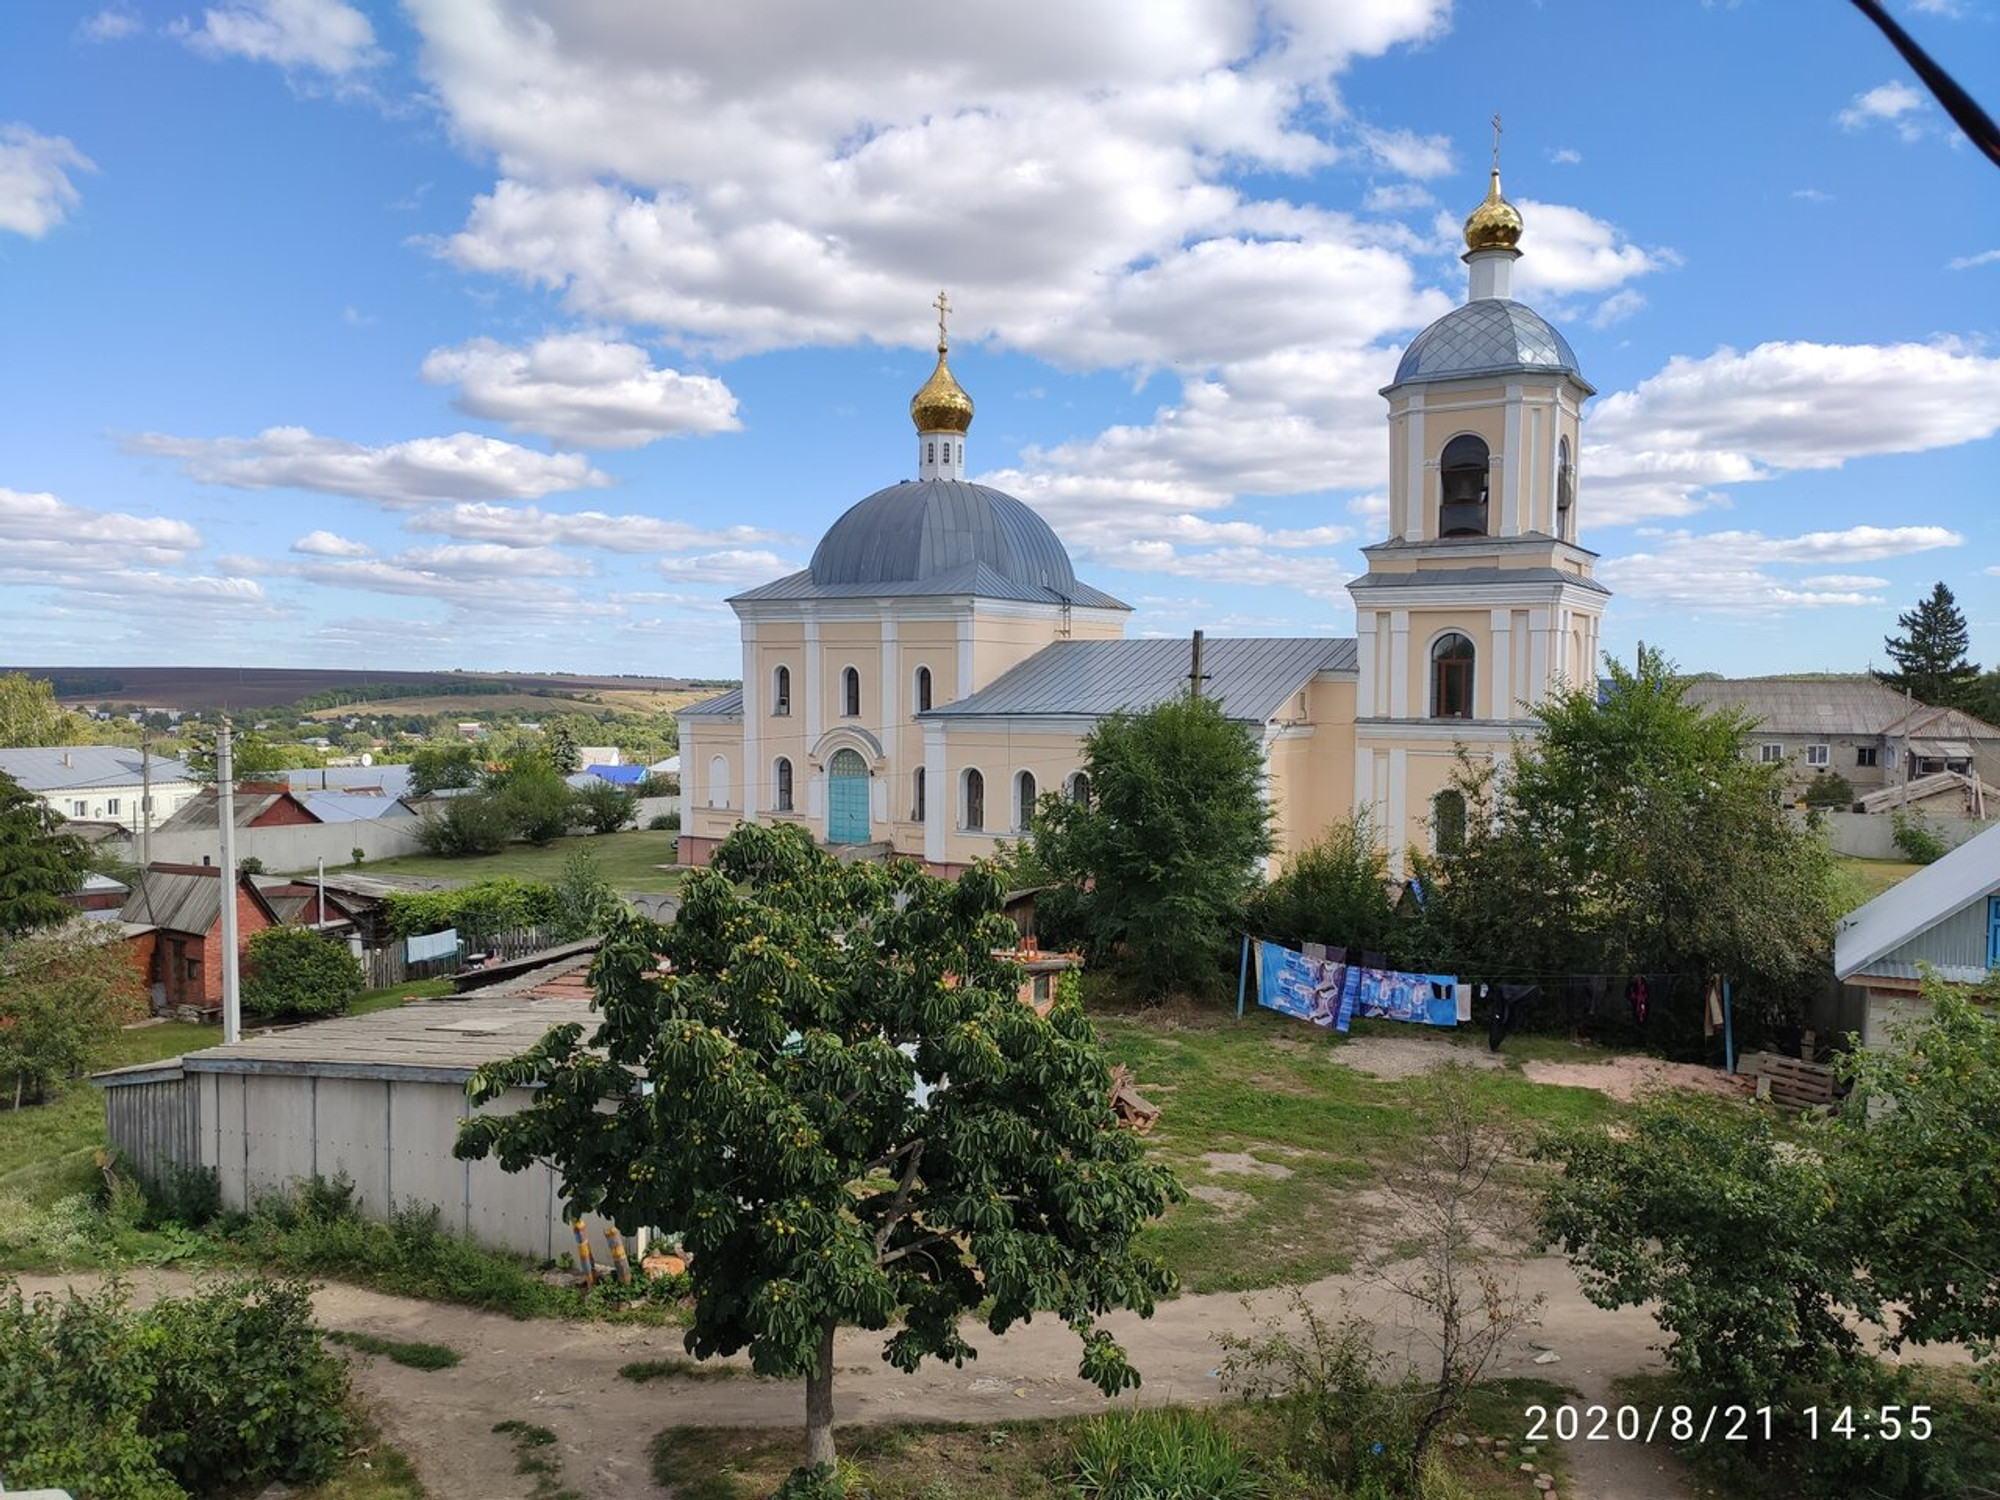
(564, 1376)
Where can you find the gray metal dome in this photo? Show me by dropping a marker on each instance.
(928, 529)
(1490, 336)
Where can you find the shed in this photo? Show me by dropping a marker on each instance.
(1946, 916)
(377, 1097)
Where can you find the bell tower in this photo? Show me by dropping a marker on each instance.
(1479, 604)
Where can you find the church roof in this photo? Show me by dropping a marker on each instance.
(1487, 336)
(1460, 577)
(727, 705)
(938, 537)
(1251, 678)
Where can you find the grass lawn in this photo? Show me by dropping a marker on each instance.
(1279, 1143)
(1033, 1460)
(1865, 879)
(630, 861)
(401, 994)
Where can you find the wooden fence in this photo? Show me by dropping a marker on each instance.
(385, 967)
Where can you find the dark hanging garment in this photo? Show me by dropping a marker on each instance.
(1711, 1009)
(1638, 997)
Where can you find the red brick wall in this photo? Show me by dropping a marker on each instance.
(284, 813)
(249, 918)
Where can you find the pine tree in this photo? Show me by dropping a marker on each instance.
(1930, 654)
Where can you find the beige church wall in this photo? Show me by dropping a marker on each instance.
(999, 754)
(844, 644)
(1425, 628)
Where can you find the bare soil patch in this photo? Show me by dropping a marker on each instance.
(1626, 1078)
(1393, 1057)
(1242, 1164)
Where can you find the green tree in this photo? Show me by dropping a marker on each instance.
(1830, 789)
(1157, 865)
(1335, 890)
(585, 903)
(252, 756)
(1632, 835)
(445, 765)
(784, 1024)
(62, 996)
(30, 715)
(604, 806)
(539, 805)
(1982, 697)
(39, 864)
(560, 744)
(1930, 653)
(294, 971)
(470, 823)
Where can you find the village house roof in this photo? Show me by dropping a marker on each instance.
(1917, 904)
(1837, 705)
(1252, 678)
(58, 768)
(249, 804)
(183, 898)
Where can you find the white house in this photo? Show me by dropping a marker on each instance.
(100, 783)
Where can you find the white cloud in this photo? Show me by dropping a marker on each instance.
(1726, 572)
(583, 389)
(1565, 250)
(1812, 195)
(1894, 103)
(39, 533)
(112, 24)
(36, 192)
(732, 565)
(321, 36)
(1663, 448)
(492, 560)
(1617, 307)
(501, 596)
(1397, 198)
(463, 466)
(1566, 156)
(120, 588)
(1970, 262)
(1407, 152)
(326, 544)
(529, 526)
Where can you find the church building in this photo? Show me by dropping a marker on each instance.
(936, 667)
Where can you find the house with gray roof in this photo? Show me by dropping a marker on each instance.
(101, 783)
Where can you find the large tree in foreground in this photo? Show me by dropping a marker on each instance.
(788, 1026)
(1155, 864)
(39, 863)
(1930, 653)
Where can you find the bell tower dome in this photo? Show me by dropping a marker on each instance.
(942, 412)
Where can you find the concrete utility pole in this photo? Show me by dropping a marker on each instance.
(1196, 677)
(145, 797)
(225, 808)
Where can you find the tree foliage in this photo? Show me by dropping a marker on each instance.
(252, 757)
(539, 805)
(1930, 653)
(294, 971)
(850, 1119)
(30, 715)
(482, 910)
(1633, 836)
(39, 863)
(585, 903)
(445, 765)
(1335, 890)
(1156, 866)
(604, 806)
(470, 823)
(62, 995)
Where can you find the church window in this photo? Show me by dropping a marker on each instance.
(850, 693)
(1024, 800)
(1078, 788)
(1565, 492)
(923, 690)
(1452, 660)
(1448, 821)
(1463, 475)
(782, 776)
(781, 692)
(718, 781)
(930, 451)
(917, 795)
(975, 802)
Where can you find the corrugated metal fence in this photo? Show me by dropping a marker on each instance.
(156, 1124)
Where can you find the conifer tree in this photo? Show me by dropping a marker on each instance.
(1930, 654)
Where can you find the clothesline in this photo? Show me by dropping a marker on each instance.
(1531, 974)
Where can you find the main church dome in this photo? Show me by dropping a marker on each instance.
(929, 530)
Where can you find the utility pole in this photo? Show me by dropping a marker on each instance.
(1196, 677)
(225, 808)
(145, 797)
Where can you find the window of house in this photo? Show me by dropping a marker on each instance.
(782, 776)
(1448, 821)
(1818, 755)
(1889, 756)
(1024, 800)
(718, 781)
(975, 802)
(850, 693)
(1770, 755)
(111, 807)
(1078, 787)
(781, 691)
(923, 693)
(1452, 659)
(917, 795)
(79, 809)
(1462, 474)
(1865, 755)
(1044, 988)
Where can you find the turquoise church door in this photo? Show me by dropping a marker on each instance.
(847, 799)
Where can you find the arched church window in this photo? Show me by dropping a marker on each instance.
(1463, 473)
(781, 692)
(1078, 788)
(923, 694)
(781, 775)
(930, 451)
(1448, 821)
(1024, 800)
(1565, 492)
(1452, 658)
(917, 795)
(850, 693)
(975, 801)
(718, 781)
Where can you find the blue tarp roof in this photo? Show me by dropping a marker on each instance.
(622, 775)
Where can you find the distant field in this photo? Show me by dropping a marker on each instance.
(651, 701)
(263, 687)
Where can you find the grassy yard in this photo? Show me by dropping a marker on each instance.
(1279, 1144)
(1033, 1460)
(630, 861)
(1863, 880)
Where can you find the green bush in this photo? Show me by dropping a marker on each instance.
(1917, 839)
(471, 823)
(1335, 891)
(666, 822)
(189, 1196)
(539, 805)
(604, 806)
(294, 971)
(1830, 789)
(481, 910)
(1162, 1455)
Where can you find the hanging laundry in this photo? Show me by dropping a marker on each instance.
(1637, 996)
(1294, 985)
(1330, 991)
(1711, 1008)
(1391, 995)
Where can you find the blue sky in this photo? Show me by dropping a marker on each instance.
(515, 334)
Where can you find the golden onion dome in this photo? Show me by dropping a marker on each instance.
(1495, 224)
(942, 405)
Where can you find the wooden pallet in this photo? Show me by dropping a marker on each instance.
(1793, 1082)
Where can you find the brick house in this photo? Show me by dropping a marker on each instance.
(175, 914)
